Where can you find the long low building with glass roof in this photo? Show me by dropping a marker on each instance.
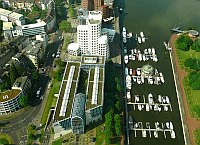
(80, 104)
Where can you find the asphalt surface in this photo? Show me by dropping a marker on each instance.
(17, 127)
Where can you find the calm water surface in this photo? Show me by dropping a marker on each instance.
(155, 18)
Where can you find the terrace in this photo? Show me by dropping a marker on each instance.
(72, 89)
(90, 89)
(9, 95)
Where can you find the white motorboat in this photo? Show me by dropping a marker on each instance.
(157, 125)
(166, 108)
(134, 79)
(133, 57)
(147, 124)
(167, 125)
(146, 51)
(163, 99)
(126, 59)
(124, 35)
(142, 34)
(139, 40)
(143, 39)
(150, 98)
(126, 71)
(167, 100)
(162, 78)
(173, 135)
(159, 98)
(137, 98)
(130, 71)
(156, 107)
(140, 57)
(132, 52)
(150, 80)
(139, 107)
(149, 50)
(144, 133)
(155, 58)
(144, 58)
(156, 71)
(135, 51)
(139, 81)
(153, 51)
(147, 107)
(128, 82)
(128, 95)
(138, 71)
(159, 108)
(155, 134)
(136, 125)
(171, 125)
(142, 79)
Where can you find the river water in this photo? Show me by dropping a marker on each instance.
(155, 18)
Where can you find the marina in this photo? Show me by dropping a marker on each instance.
(156, 22)
(144, 82)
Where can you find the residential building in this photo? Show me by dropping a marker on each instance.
(87, 4)
(75, 111)
(9, 100)
(6, 15)
(98, 4)
(88, 36)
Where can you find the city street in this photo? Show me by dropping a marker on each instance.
(16, 127)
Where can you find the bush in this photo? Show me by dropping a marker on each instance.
(184, 43)
(194, 80)
(4, 141)
(196, 45)
(192, 63)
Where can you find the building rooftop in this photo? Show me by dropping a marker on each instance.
(73, 46)
(19, 82)
(7, 26)
(95, 88)
(93, 60)
(38, 24)
(4, 12)
(9, 94)
(67, 91)
(15, 15)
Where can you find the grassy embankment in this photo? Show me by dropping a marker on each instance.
(192, 96)
(5, 137)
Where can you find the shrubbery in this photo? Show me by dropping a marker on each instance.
(192, 63)
(194, 80)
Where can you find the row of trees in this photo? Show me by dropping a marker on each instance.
(192, 63)
(58, 74)
(111, 121)
(194, 80)
(184, 42)
(65, 26)
(112, 103)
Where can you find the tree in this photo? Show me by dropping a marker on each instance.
(184, 43)
(192, 63)
(71, 12)
(194, 80)
(65, 26)
(23, 101)
(118, 106)
(117, 120)
(196, 45)
(4, 141)
(13, 73)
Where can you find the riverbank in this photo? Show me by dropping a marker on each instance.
(192, 123)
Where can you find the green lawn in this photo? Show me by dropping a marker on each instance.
(197, 136)
(54, 90)
(7, 137)
(192, 96)
(57, 142)
(183, 55)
